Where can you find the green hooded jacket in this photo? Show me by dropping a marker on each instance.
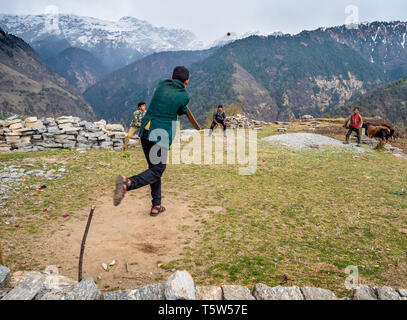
(170, 100)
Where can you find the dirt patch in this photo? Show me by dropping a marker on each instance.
(138, 243)
(331, 131)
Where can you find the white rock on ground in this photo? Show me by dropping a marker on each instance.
(180, 286)
(84, 290)
(263, 292)
(403, 293)
(4, 276)
(387, 293)
(28, 288)
(236, 293)
(208, 293)
(150, 292)
(124, 295)
(364, 293)
(318, 294)
(299, 141)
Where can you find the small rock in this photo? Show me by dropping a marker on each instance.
(119, 295)
(387, 293)
(150, 292)
(4, 276)
(53, 295)
(263, 292)
(3, 292)
(28, 288)
(180, 286)
(104, 266)
(364, 293)
(318, 294)
(208, 293)
(85, 290)
(403, 293)
(236, 293)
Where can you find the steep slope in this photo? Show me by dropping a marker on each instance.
(382, 43)
(117, 96)
(115, 43)
(28, 87)
(81, 68)
(389, 102)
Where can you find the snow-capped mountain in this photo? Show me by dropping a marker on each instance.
(116, 43)
(381, 43)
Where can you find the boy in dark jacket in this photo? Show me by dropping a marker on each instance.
(219, 117)
(170, 100)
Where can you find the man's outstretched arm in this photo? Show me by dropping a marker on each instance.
(192, 119)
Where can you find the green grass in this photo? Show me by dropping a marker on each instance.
(304, 215)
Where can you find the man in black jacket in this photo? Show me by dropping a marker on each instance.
(219, 117)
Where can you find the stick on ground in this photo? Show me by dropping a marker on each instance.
(84, 243)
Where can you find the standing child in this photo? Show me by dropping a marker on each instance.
(135, 125)
(170, 100)
(355, 126)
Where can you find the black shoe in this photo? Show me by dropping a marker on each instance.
(120, 190)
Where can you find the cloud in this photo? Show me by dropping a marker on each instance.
(212, 19)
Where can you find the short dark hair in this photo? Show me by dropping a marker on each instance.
(181, 74)
(356, 109)
(141, 104)
(220, 106)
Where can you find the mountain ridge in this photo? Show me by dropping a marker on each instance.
(291, 76)
(28, 87)
(80, 67)
(115, 43)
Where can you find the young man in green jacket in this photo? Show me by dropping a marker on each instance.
(170, 100)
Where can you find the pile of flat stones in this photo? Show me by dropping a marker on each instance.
(49, 285)
(240, 121)
(33, 134)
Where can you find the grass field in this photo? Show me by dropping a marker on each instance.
(300, 220)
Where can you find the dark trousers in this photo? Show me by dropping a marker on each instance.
(353, 129)
(214, 125)
(152, 176)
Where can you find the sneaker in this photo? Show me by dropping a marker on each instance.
(346, 142)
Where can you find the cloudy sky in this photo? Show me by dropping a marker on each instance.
(211, 19)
